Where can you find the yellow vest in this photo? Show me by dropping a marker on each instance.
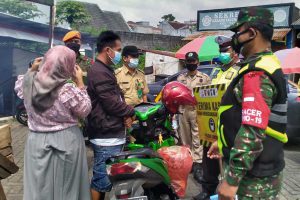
(220, 76)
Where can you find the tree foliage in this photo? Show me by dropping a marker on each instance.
(72, 12)
(168, 17)
(20, 8)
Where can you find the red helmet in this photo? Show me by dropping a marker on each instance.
(175, 94)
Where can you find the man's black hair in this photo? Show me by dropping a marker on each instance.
(106, 39)
(265, 30)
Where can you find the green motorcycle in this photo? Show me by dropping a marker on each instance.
(140, 173)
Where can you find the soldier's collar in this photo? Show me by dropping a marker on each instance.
(255, 57)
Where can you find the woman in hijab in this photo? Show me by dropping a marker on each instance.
(55, 164)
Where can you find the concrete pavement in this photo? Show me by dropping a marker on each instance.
(13, 186)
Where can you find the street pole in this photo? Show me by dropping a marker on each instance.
(52, 24)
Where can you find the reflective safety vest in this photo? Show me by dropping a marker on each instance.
(270, 161)
(219, 76)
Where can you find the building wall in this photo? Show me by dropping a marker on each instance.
(161, 65)
(150, 41)
(167, 29)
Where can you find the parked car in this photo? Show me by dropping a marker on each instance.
(293, 114)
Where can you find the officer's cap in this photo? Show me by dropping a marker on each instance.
(191, 57)
(224, 42)
(130, 51)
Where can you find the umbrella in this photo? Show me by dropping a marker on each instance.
(206, 47)
(289, 59)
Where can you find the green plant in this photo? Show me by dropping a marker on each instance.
(25, 10)
(72, 12)
(168, 17)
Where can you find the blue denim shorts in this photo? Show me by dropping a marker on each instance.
(100, 181)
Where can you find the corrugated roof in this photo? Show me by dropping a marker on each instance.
(278, 34)
(207, 33)
(296, 23)
(106, 19)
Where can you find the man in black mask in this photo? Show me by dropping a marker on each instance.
(73, 40)
(188, 127)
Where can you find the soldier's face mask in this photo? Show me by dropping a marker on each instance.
(236, 44)
(75, 47)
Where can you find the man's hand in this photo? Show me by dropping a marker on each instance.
(213, 152)
(128, 121)
(226, 191)
(78, 76)
(36, 63)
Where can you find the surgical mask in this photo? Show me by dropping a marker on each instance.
(225, 58)
(116, 60)
(133, 63)
(191, 67)
(236, 45)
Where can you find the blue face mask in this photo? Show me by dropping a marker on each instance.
(225, 58)
(116, 60)
(134, 63)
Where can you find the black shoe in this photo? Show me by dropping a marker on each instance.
(196, 166)
(198, 175)
(202, 196)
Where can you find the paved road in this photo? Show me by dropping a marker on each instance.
(13, 185)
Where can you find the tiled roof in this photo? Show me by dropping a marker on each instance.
(177, 25)
(106, 19)
(296, 23)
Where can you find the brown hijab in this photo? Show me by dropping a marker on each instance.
(41, 88)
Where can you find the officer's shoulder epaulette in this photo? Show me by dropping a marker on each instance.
(199, 74)
(117, 71)
(182, 75)
(236, 67)
(139, 70)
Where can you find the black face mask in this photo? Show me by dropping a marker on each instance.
(75, 47)
(236, 45)
(191, 67)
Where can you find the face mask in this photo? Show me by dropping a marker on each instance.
(74, 46)
(225, 58)
(236, 45)
(191, 67)
(116, 60)
(134, 63)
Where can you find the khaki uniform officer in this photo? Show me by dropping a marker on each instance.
(130, 79)
(188, 127)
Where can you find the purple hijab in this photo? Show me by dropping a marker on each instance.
(41, 87)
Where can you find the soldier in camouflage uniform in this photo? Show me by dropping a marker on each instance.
(252, 114)
(73, 40)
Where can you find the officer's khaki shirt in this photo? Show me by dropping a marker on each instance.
(133, 86)
(194, 81)
(191, 82)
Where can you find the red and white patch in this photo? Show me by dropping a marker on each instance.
(255, 111)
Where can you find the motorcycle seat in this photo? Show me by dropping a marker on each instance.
(138, 153)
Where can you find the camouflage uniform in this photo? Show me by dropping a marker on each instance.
(248, 143)
(85, 64)
(247, 147)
